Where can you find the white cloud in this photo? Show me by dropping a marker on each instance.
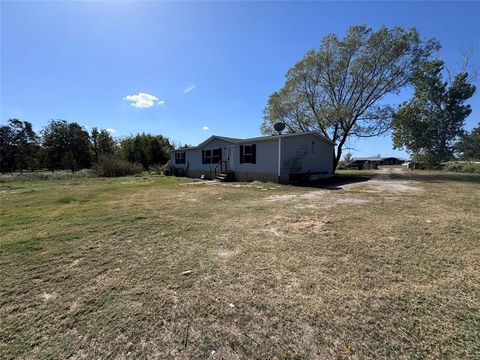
(110, 130)
(143, 100)
(189, 88)
(205, 128)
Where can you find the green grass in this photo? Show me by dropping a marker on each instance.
(45, 175)
(462, 167)
(66, 199)
(382, 269)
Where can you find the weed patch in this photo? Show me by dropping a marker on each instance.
(66, 199)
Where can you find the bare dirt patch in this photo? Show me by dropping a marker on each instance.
(275, 231)
(75, 263)
(49, 296)
(384, 182)
(333, 202)
(312, 195)
(288, 224)
(200, 182)
(315, 226)
(395, 186)
(225, 254)
(347, 201)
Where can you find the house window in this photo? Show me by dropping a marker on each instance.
(248, 154)
(213, 156)
(180, 157)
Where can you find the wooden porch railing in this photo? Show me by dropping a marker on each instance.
(223, 167)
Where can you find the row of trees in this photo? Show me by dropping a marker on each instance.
(67, 145)
(339, 89)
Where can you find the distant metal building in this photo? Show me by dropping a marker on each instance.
(365, 162)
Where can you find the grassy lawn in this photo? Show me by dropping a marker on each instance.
(386, 268)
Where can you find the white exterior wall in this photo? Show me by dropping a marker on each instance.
(266, 159)
(308, 153)
(193, 157)
(300, 154)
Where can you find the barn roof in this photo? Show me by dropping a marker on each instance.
(375, 158)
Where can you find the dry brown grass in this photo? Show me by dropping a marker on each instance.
(332, 273)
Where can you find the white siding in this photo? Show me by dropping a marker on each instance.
(267, 158)
(193, 158)
(308, 153)
(300, 154)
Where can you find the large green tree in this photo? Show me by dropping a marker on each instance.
(337, 89)
(146, 149)
(66, 145)
(19, 148)
(428, 125)
(468, 146)
(7, 149)
(102, 143)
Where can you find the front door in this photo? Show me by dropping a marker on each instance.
(231, 157)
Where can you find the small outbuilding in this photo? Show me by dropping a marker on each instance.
(366, 162)
(276, 158)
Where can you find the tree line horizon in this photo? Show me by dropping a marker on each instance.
(336, 90)
(64, 145)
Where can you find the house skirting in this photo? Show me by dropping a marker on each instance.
(240, 176)
(198, 173)
(264, 177)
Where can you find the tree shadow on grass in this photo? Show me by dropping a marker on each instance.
(338, 180)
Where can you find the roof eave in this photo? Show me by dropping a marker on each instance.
(260, 138)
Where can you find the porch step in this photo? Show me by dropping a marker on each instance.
(226, 176)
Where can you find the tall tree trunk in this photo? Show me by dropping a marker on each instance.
(338, 156)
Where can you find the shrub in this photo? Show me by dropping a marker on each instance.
(472, 168)
(155, 169)
(112, 166)
(342, 165)
(46, 175)
(168, 165)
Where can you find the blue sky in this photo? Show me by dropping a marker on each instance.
(210, 66)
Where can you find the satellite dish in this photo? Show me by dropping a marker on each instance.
(279, 127)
